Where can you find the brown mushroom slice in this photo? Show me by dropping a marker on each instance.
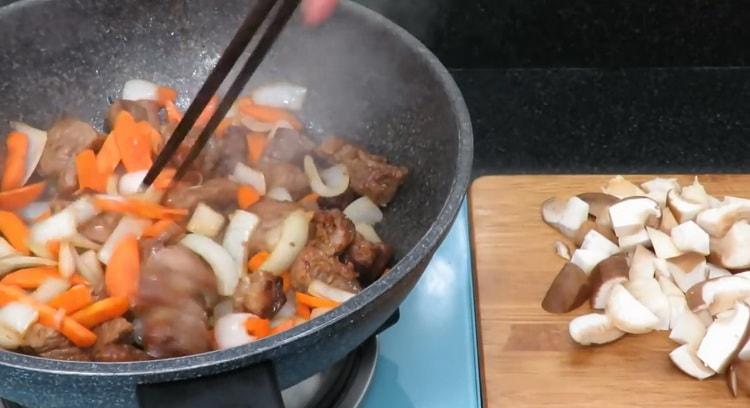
(689, 237)
(608, 273)
(629, 242)
(687, 270)
(594, 240)
(686, 359)
(587, 259)
(658, 188)
(714, 271)
(562, 250)
(648, 292)
(593, 328)
(565, 216)
(731, 251)
(717, 221)
(568, 290)
(718, 295)
(682, 209)
(628, 314)
(724, 337)
(599, 204)
(738, 377)
(696, 193)
(668, 221)
(631, 214)
(620, 187)
(687, 329)
(641, 264)
(662, 243)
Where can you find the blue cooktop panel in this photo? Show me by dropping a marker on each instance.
(429, 358)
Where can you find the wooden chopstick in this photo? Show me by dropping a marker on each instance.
(229, 58)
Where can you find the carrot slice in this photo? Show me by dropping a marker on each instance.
(153, 136)
(15, 231)
(164, 179)
(310, 198)
(73, 300)
(109, 155)
(223, 126)
(314, 301)
(267, 114)
(257, 260)
(247, 196)
(15, 160)
(303, 311)
(123, 269)
(101, 311)
(30, 278)
(256, 145)
(139, 208)
(53, 247)
(286, 281)
(258, 327)
(157, 228)
(134, 145)
(77, 279)
(21, 197)
(89, 176)
(48, 316)
(174, 115)
(208, 111)
(166, 94)
(286, 325)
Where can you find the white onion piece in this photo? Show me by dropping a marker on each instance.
(40, 250)
(140, 90)
(59, 226)
(225, 268)
(66, 261)
(242, 225)
(223, 308)
(246, 175)
(368, 232)
(294, 232)
(34, 210)
(205, 221)
(18, 317)
(130, 183)
(12, 263)
(127, 225)
(255, 125)
(279, 194)
(288, 310)
(37, 141)
(280, 95)
(9, 339)
(50, 289)
(89, 267)
(230, 331)
(6, 249)
(83, 209)
(320, 289)
(363, 210)
(319, 311)
(336, 179)
(80, 241)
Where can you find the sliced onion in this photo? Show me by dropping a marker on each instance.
(320, 289)
(246, 175)
(319, 311)
(37, 142)
(6, 249)
(18, 317)
(130, 183)
(89, 267)
(223, 308)
(9, 339)
(66, 261)
(256, 125)
(363, 210)
(50, 289)
(139, 90)
(226, 270)
(230, 331)
(336, 179)
(279, 194)
(368, 232)
(127, 226)
(34, 210)
(280, 95)
(293, 238)
(205, 221)
(12, 263)
(84, 210)
(60, 226)
(241, 227)
(80, 241)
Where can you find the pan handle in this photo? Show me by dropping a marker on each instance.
(255, 386)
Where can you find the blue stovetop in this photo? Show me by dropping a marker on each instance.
(429, 358)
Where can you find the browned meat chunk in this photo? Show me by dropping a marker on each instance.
(219, 193)
(119, 353)
(370, 175)
(142, 111)
(314, 263)
(117, 330)
(260, 293)
(100, 227)
(272, 214)
(287, 176)
(369, 259)
(177, 289)
(331, 232)
(66, 138)
(287, 146)
(41, 339)
(340, 201)
(68, 354)
(222, 154)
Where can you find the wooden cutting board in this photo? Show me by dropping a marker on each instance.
(528, 359)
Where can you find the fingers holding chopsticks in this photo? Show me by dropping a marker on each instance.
(317, 11)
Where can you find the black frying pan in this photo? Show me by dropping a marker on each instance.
(368, 80)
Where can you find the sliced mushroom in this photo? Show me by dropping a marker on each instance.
(641, 264)
(696, 193)
(685, 358)
(620, 187)
(716, 271)
(628, 314)
(608, 273)
(565, 216)
(668, 287)
(705, 317)
(589, 226)
(629, 242)
(687, 270)
(718, 295)
(599, 204)
(717, 221)
(663, 246)
(731, 251)
(593, 328)
(688, 329)
(587, 259)
(739, 376)
(631, 214)
(689, 237)
(668, 221)
(597, 242)
(568, 290)
(648, 292)
(678, 306)
(562, 250)
(724, 338)
(682, 209)
(658, 188)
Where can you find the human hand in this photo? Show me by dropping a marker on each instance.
(316, 11)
